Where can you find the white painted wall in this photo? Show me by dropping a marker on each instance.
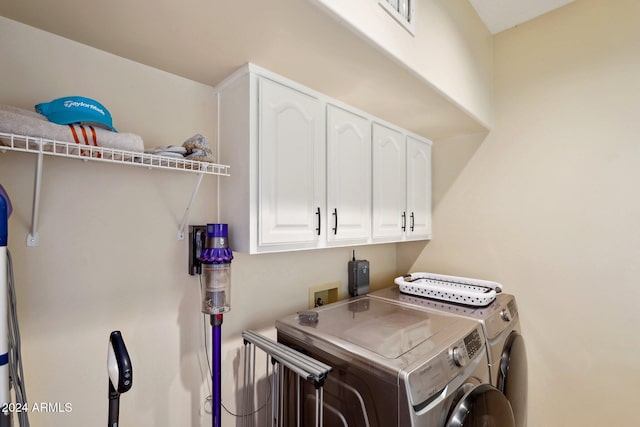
(451, 49)
(109, 257)
(548, 206)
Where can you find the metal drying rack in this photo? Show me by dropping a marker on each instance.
(282, 357)
(41, 146)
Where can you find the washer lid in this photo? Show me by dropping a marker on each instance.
(482, 406)
(384, 328)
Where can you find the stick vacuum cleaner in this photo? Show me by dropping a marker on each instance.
(120, 375)
(215, 283)
(5, 397)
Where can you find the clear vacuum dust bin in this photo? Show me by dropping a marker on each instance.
(215, 280)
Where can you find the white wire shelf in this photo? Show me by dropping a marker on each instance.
(32, 144)
(52, 147)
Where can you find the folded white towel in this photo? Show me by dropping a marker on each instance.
(29, 123)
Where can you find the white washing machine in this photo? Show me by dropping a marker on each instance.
(506, 351)
(395, 365)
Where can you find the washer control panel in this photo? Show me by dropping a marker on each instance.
(459, 356)
(430, 379)
(505, 315)
(462, 354)
(473, 343)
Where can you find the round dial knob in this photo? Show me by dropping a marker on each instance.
(459, 357)
(506, 316)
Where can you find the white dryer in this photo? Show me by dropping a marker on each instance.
(394, 365)
(506, 353)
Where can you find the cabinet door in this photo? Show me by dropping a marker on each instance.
(418, 189)
(389, 215)
(348, 176)
(291, 166)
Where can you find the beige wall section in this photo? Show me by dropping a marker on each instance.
(451, 50)
(548, 207)
(161, 108)
(109, 257)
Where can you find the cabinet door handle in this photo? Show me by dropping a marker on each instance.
(319, 221)
(413, 221)
(335, 214)
(404, 221)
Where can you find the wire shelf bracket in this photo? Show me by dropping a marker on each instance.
(41, 146)
(185, 217)
(33, 238)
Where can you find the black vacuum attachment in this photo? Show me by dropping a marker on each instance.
(120, 374)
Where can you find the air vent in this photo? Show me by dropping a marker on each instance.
(403, 11)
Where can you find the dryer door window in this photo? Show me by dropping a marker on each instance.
(482, 406)
(512, 378)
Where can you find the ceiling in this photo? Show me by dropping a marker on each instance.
(500, 15)
(204, 41)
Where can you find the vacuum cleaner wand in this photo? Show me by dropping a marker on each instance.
(5, 397)
(120, 375)
(5, 213)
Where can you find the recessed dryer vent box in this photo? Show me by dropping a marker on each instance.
(324, 294)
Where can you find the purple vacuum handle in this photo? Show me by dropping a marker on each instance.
(5, 213)
(218, 230)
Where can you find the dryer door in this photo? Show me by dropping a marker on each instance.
(512, 378)
(482, 406)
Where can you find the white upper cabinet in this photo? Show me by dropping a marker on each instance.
(401, 185)
(311, 172)
(418, 189)
(389, 184)
(291, 165)
(348, 176)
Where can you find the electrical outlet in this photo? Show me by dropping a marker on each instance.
(324, 294)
